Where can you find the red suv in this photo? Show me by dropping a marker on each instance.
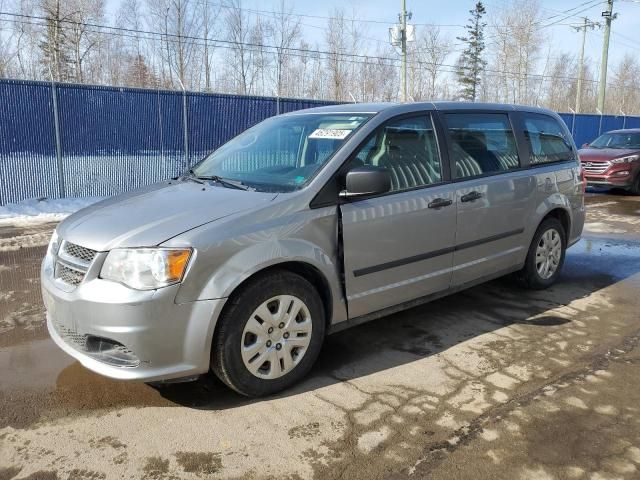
(613, 160)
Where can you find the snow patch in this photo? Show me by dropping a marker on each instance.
(45, 210)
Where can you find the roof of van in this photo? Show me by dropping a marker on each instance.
(401, 107)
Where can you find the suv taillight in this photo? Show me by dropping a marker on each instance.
(583, 179)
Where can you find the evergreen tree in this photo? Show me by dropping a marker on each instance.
(471, 62)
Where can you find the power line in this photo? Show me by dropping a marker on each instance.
(321, 17)
(369, 60)
(592, 4)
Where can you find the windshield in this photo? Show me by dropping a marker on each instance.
(282, 153)
(617, 140)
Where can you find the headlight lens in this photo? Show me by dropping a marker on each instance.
(630, 158)
(54, 244)
(146, 268)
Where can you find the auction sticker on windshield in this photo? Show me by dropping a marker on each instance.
(330, 133)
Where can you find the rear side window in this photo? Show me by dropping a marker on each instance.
(408, 148)
(481, 143)
(547, 139)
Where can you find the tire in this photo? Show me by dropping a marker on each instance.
(635, 188)
(255, 361)
(533, 275)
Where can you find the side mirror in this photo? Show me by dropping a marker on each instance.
(585, 145)
(365, 181)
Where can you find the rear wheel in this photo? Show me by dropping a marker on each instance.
(269, 335)
(545, 257)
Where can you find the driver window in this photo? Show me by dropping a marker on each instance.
(407, 148)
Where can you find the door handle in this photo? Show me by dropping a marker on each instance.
(471, 197)
(440, 202)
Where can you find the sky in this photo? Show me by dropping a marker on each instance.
(456, 12)
(451, 14)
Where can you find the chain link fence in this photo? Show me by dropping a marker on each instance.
(65, 140)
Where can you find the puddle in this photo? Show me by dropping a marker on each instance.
(32, 365)
(63, 388)
(21, 310)
(617, 259)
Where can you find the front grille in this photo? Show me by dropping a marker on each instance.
(73, 262)
(596, 168)
(69, 275)
(82, 253)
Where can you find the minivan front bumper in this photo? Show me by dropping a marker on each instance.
(128, 334)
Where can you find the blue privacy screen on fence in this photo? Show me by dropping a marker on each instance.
(111, 140)
(28, 165)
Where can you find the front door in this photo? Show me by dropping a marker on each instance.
(494, 196)
(398, 246)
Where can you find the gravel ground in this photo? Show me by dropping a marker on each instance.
(494, 382)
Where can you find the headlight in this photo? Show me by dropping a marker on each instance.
(146, 268)
(54, 244)
(630, 158)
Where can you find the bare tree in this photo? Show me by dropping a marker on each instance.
(261, 58)
(379, 77)
(241, 54)
(515, 50)
(431, 52)
(560, 88)
(131, 52)
(80, 33)
(5, 52)
(209, 27)
(26, 41)
(179, 25)
(625, 86)
(337, 44)
(315, 84)
(130, 17)
(285, 32)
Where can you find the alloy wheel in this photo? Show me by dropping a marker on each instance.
(548, 253)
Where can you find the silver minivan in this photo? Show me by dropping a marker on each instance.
(303, 225)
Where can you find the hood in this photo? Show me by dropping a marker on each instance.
(154, 214)
(604, 154)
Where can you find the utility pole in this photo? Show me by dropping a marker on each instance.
(583, 27)
(609, 16)
(399, 35)
(403, 46)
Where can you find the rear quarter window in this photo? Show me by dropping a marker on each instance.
(481, 143)
(547, 139)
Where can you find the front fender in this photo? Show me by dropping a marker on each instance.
(235, 269)
(245, 263)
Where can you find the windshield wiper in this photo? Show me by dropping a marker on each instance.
(191, 175)
(227, 182)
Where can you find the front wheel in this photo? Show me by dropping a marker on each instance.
(635, 188)
(545, 257)
(269, 334)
